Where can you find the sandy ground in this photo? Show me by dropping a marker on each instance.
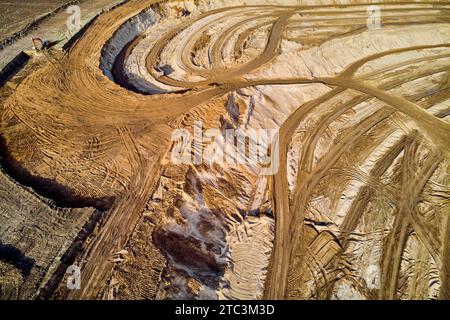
(358, 208)
(16, 15)
(53, 28)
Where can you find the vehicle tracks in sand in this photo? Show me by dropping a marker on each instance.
(63, 106)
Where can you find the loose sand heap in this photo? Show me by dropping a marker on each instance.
(358, 208)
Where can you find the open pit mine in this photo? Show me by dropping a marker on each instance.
(129, 132)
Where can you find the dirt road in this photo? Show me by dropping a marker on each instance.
(101, 137)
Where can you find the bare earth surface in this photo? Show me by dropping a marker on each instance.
(18, 16)
(358, 207)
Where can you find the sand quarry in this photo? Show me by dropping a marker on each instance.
(359, 207)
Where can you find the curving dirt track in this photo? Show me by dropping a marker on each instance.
(359, 206)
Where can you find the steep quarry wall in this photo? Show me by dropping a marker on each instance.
(357, 207)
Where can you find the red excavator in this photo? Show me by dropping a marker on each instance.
(40, 44)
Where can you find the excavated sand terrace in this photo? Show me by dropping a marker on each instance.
(358, 208)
